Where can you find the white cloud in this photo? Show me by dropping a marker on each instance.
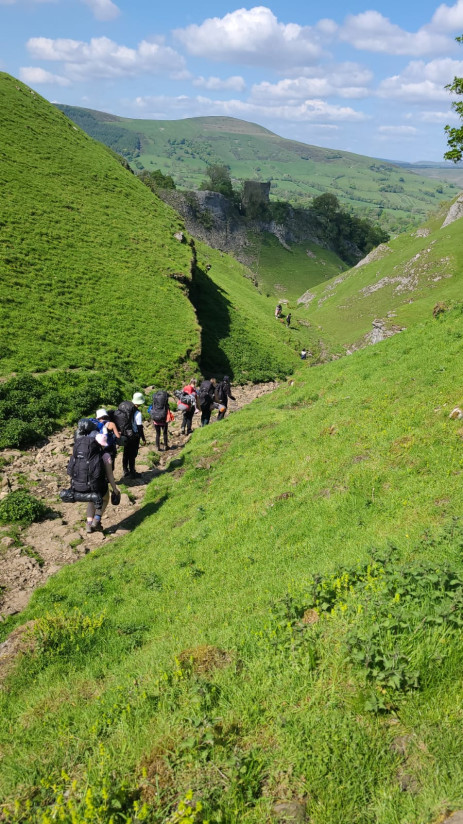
(34, 77)
(422, 82)
(435, 117)
(236, 83)
(448, 18)
(308, 111)
(252, 37)
(371, 31)
(103, 9)
(102, 58)
(397, 130)
(347, 80)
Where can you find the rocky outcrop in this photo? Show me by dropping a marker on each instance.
(376, 254)
(455, 211)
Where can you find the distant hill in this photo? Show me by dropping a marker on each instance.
(383, 191)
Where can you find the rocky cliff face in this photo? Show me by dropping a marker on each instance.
(214, 219)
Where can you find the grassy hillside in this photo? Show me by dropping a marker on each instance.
(289, 271)
(240, 336)
(88, 255)
(95, 287)
(281, 635)
(184, 148)
(409, 276)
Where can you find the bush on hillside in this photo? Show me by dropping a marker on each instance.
(21, 507)
(31, 408)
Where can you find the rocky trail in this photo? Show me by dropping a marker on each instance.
(29, 556)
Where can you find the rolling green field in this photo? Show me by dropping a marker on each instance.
(281, 631)
(381, 191)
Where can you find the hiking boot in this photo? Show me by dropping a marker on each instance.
(135, 474)
(96, 525)
(89, 527)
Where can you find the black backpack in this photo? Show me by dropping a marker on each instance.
(86, 467)
(221, 392)
(123, 418)
(85, 426)
(206, 394)
(160, 406)
(187, 399)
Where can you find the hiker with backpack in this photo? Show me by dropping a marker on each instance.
(160, 414)
(288, 320)
(91, 473)
(187, 404)
(107, 427)
(222, 394)
(206, 397)
(129, 420)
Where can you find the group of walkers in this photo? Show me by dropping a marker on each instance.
(91, 467)
(279, 314)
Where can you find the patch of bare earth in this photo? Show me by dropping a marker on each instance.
(30, 557)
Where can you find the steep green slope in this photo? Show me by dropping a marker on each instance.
(289, 271)
(282, 632)
(401, 284)
(88, 256)
(297, 171)
(239, 334)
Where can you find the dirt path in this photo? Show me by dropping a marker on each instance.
(29, 556)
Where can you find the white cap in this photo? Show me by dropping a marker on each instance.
(101, 413)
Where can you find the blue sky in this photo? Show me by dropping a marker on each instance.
(368, 77)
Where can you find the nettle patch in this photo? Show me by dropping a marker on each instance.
(397, 623)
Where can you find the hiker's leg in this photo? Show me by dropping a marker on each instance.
(189, 420)
(90, 516)
(221, 415)
(125, 458)
(164, 429)
(96, 523)
(109, 469)
(158, 438)
(185, 422)
(135, 447)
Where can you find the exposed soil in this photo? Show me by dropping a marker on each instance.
(28, 557)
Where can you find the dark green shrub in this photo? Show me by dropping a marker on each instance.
(17, 433)
(21, 507)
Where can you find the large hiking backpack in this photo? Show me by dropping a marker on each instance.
(123, 418)
(221, 393)
(86, 467)
(159, 406)
(85, 426)
(206, 394)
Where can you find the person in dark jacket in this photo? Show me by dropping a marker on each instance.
(223, 393)
(188, 414)
(206, 397)
(288, 319)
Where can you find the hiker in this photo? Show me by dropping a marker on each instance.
(206, 396)
(107, 427)
(222, 394)
(94, 511)
(133, 433)
(278, 310)
(90, 470)
(188, 402)
(159, 413)
(304, 354)
(288, 319)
